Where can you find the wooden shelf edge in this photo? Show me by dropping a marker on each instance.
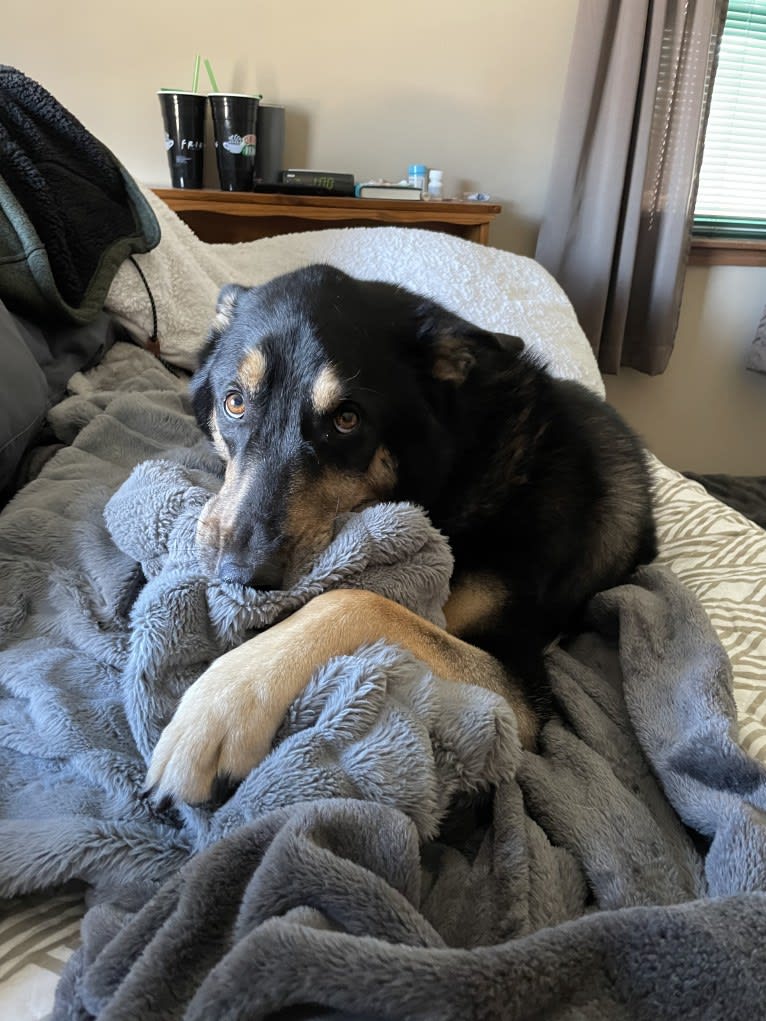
(230, 217)
(237, 202)
(727, 252)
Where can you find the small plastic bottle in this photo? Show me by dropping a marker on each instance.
(416, 176)
(435, 184)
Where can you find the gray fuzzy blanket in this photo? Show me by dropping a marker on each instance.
(398, 855)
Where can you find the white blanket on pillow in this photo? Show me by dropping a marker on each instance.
(497, 290)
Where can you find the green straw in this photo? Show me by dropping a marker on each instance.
(210, 75)
(195, 78)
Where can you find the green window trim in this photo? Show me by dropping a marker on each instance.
(721, 227)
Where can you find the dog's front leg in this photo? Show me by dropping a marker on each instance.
(226, 721)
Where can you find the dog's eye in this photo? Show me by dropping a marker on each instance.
(346, 420)
(234, 404)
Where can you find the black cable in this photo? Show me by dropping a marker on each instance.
(153, 339)
(153, 343)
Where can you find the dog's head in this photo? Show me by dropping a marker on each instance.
(324, 394)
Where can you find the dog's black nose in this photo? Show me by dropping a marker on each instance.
(239, 571)
(234, 571)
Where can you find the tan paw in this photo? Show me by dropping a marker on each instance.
(221, 728)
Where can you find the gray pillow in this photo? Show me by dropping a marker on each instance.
(23, 396)
(36, 364)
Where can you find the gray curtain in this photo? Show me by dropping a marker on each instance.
(617, 222)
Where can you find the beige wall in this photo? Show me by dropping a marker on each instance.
(472, 88)
(706, 412)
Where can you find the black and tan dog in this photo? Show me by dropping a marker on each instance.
(324, 394)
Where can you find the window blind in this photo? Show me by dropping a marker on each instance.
(731, 199)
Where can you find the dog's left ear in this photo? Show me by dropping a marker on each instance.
(456, 345)
(510, 342)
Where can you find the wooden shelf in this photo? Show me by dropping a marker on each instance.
(228, 217)
(727, 252)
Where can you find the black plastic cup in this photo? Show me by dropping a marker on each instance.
(235, 125)
(183, 114)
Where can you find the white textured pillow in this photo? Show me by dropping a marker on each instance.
(492, 288)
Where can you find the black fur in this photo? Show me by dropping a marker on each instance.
(534, 480)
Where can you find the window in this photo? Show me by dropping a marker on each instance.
(731, 200)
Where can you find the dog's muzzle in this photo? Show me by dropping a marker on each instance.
(239, 556)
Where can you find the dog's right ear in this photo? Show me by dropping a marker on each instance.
(200, 390)
(228, 297)
(226, 303)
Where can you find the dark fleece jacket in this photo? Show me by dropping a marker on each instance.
(70, 213)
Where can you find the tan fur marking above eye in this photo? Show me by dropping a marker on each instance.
(252, 369)
(475, 604)
(326, 391)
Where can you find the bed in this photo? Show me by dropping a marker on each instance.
(397, 855)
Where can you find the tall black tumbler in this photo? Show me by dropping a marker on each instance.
(235, 120)
(183, 114)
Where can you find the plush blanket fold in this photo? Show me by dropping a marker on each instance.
(397, 855)
(322, 909)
